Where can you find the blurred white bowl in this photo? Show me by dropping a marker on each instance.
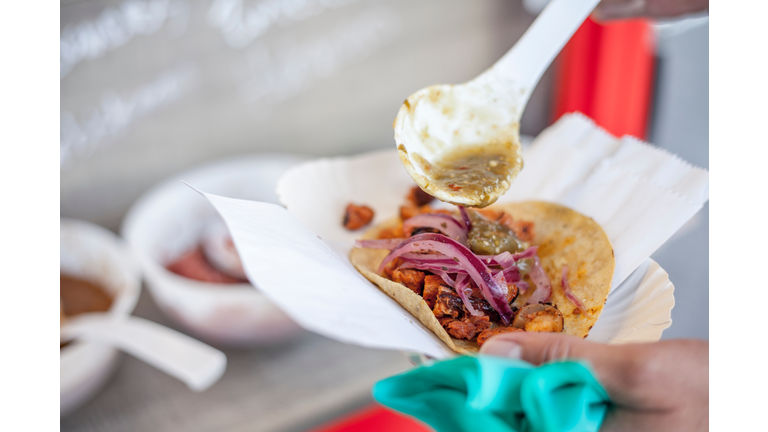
(169, 220)
(91, 252)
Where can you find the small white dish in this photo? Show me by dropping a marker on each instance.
(91, 252)
(169, 220)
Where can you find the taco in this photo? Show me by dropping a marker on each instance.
(471, 274)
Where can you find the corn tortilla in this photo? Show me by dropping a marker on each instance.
(564, 237)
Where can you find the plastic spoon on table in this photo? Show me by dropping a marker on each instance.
(191, 361)
(447, 130)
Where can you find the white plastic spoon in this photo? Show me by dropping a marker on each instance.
(461, 143)
(191, 361)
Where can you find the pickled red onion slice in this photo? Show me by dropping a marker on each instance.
(543, 286)
(505, 257)
(465, 217)
(441, 222)
(571, 296)
(464, 291)
(494, 293)
(522, 286)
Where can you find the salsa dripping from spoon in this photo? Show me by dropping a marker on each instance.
(461, 143)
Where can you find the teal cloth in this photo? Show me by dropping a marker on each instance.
(487, 393)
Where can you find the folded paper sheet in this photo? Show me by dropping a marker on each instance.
(297, 256)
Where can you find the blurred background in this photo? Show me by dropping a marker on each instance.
(152, 88)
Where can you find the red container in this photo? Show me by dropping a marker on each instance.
(606, 72)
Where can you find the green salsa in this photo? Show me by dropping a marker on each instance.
(478, 173)
(491, 238)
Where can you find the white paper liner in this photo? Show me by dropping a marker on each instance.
(298, 257)
(318, 288)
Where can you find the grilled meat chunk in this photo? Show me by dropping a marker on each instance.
(448, 303)
(481, 322)
(461, 329)
(482, 305)
(512, 293)
(413, 279)
(488, 333)
(418, 197)
(356, 217)
(432, 285)
(539, 318)
(465, 328)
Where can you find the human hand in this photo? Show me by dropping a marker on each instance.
(660, 386)
(619, 9)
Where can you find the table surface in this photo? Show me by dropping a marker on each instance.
(292, 387)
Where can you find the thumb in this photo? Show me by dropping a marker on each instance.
(538, 348)
(607, 361)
